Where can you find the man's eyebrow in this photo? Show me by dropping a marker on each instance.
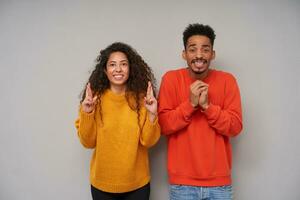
(191, 45)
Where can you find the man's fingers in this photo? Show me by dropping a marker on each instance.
(198, 87)
(203, 89)
(197, 84)
(202, 86)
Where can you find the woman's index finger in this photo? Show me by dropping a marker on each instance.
(149, 90)
(89, 90)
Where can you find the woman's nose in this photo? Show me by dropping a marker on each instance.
(118, 68)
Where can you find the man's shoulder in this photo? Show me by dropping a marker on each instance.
(223, 74)
(174, 73)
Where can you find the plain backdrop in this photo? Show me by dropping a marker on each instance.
(48, 49)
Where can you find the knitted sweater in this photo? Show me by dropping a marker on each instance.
(199, 150)
(120, 160)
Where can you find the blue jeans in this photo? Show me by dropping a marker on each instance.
(184, 192)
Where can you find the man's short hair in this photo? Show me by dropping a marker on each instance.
(198, 29)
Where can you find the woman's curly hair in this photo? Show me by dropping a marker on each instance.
(139, 75)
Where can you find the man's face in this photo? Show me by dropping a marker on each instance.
(198, 54)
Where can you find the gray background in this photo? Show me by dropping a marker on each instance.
(48, 48)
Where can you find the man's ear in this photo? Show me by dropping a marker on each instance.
(183, 54)
(214, 55)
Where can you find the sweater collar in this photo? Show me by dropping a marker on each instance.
(114, 96)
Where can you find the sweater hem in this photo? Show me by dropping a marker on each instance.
(208, 182)
(120, 188)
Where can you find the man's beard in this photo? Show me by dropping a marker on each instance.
(197, 72)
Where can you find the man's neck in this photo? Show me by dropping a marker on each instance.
(199, 76)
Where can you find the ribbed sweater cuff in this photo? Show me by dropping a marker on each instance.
(86, 116)
(154, 123)
(212, 111)
(86, 119)
(187, 109)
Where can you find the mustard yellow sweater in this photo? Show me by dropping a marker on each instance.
(120, 160)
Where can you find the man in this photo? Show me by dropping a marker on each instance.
(199, 111)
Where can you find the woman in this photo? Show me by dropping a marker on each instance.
(118, 118)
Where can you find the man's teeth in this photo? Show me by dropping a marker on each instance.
(199, 63)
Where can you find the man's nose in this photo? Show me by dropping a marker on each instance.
(199, 54)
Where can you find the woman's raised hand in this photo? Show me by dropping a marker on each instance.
(150, 102)
(89, 102)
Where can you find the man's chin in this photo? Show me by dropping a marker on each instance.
(198, 72)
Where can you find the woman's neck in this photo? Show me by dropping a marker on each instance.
(118, 89)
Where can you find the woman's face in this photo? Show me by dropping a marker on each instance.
(117, 69)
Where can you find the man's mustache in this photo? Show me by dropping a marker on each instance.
(199, 60)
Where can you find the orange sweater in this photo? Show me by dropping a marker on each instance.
(120, 160)
(199, 150)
